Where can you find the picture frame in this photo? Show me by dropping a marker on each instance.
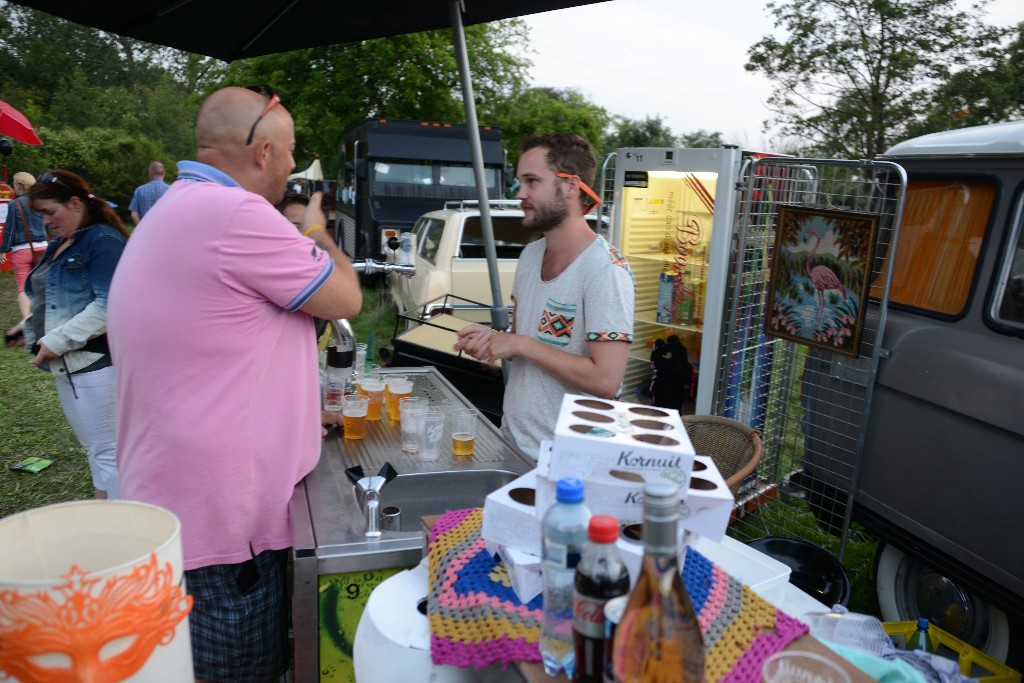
(820, 274)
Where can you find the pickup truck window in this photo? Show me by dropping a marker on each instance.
(428, 237)
(509, 237)
(940, 239)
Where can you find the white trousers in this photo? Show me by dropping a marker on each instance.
(93, 419)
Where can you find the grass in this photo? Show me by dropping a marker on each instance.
(33, 424)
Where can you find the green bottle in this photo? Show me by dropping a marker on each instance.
(920, 640)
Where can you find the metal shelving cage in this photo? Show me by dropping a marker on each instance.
(810, 406)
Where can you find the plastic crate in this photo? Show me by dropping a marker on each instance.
(973, 662)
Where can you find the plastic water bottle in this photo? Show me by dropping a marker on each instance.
(564, 533)
(921, 640)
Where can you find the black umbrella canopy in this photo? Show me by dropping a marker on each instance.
(235, 29)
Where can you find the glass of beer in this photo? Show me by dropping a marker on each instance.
(353, 415)
(464, 430)
(397, 388)
(373, 387)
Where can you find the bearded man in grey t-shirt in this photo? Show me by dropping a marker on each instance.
(573, 295)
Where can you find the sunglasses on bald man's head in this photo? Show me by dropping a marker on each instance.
(266, 91)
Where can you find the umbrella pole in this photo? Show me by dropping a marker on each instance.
(499, 313)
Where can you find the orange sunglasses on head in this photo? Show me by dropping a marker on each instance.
(587, 208)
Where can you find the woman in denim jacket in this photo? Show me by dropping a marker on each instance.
(67, 327)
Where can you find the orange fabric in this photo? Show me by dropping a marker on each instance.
(140, 610)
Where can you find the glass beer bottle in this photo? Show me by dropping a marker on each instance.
(658, 638)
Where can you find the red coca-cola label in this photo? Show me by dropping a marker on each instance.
(588, 616)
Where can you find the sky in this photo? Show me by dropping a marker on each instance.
(678, 59)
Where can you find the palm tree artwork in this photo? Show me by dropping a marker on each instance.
(819, 277)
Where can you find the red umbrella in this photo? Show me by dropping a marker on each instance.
(13, 124)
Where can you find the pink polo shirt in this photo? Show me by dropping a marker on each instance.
(217, 382)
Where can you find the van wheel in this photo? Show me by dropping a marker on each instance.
(908, 589)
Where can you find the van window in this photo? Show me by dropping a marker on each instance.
(939, 242)
(461, 175)
(1010, 295)
(428, 237)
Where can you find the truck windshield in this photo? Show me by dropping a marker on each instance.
(939, 243)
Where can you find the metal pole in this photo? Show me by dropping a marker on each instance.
(499, 314)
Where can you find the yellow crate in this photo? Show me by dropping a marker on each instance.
(973, 662)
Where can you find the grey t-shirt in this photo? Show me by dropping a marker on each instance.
(591, 300)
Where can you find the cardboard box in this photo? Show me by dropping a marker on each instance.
(599, 435)
(706, 504)
(524, 572)
(511, 518)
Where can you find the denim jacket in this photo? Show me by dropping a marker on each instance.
(77, 286)
(14, 234)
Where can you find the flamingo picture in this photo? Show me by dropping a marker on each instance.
(822, 277)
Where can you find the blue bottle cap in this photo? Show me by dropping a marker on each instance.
(569, 490)
(922, 623)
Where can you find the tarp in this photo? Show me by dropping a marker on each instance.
(314, 172)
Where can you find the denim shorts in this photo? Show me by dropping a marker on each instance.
(239, 619)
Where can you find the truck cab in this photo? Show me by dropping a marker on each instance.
(394, 171)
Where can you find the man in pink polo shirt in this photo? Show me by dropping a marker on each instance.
(211, 331)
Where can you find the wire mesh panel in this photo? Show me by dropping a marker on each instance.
(789, 367)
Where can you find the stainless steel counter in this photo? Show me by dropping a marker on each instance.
(327, 517)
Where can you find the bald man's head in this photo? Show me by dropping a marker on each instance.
(224, 122)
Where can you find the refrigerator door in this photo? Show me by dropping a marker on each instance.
(675, 214)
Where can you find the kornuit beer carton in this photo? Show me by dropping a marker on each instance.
(705, 503)
(597, 435)
(510, 517)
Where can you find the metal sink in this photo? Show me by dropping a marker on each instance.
(328, 523)
(433, 493)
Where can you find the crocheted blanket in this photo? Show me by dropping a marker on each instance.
(477, 620)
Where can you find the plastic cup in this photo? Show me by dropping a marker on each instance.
(411, 410)
(397, 387)
(360, 358)
(373, 387)
(801, 667)
(353, 415)
(429, 434)
(464, 430)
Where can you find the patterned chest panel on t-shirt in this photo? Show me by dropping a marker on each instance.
(556, 321)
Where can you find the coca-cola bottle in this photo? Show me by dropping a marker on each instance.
(600, 576)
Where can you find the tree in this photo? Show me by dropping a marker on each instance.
(649, 132)
(987, 93)
(854, 75)
(701, 138)
(550, 110)
(413, 76)
(104, 105)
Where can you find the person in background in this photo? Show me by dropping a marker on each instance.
(573, 296)
(671, 374)
(293, 206)
(66, 329)
(146, 195)
(218, 391)
(19, 245)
